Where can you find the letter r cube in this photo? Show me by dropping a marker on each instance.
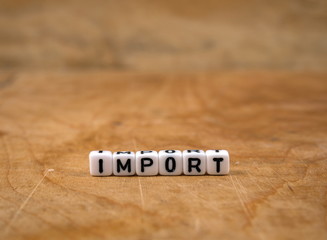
(194, 162)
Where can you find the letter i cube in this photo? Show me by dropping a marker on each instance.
(100, 163)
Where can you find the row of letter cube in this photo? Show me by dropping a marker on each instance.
(166, 162)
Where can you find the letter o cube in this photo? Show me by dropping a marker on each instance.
(170, 162)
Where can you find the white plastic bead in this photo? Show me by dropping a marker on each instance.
(170, 162)
(147, 163)
(217, 162)
(194, 162)
(124, 163)
(100, 163)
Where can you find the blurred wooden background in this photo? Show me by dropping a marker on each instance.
(163, 35)
(246, 76)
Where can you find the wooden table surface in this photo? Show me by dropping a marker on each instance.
(273, 123)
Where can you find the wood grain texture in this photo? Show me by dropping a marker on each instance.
(273, 124)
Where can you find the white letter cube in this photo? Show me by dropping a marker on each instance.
(170, 162)
(147, 163)
(217, 162)
(194, 162)
(124, 163)
(100, 163)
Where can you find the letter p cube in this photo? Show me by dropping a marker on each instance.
(147, 163)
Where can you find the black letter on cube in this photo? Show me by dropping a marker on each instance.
(100, 165)
(142, 152)
(196, 165)
(124, 167)
(218, 161)
(124, 152)
(170, 151)
(197, 151)
(143, 164)
(173, 164)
